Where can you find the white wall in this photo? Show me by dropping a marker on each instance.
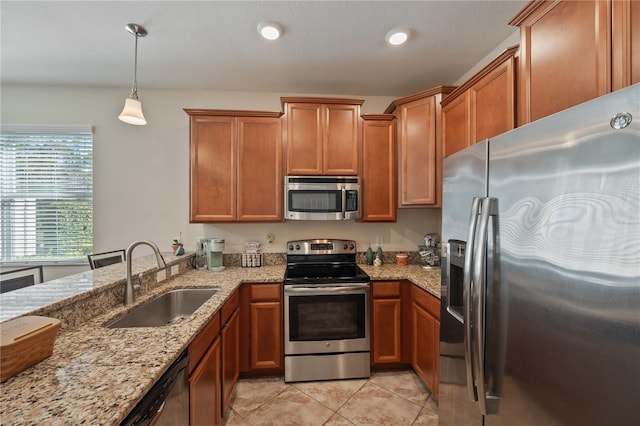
(141, 174)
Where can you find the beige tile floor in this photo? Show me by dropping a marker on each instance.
(386, 398)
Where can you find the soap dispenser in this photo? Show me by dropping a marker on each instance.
(369, 256)
(379, 252)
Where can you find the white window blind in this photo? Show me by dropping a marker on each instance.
(46, 189)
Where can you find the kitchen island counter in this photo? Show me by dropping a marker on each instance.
(97, 375)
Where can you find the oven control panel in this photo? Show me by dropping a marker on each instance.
(318, 246)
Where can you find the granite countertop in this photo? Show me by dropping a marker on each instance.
(428, 280)
(96, 375)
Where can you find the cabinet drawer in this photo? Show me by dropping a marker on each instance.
(386, 289)
(201, 343)
(230, 306)
(265, 292)
(427, 301)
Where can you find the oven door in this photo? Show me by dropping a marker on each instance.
(328, 318)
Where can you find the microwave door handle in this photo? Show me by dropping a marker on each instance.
(344, 202)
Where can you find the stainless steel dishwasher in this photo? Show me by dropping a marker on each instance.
(167, 402)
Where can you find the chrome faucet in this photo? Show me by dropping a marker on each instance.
(128, 290)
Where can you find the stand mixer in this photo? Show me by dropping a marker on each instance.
(430, 251)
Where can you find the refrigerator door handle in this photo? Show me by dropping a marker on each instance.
(466, 298)
(489, 209)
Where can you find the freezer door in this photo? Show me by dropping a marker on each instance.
(569, 275)
(464, 177)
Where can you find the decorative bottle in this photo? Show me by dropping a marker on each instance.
(369, 256)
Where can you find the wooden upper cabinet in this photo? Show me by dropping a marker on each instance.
(455, 124)
(482, 107)
(235, 166)
(419, 147)
(260, 176)
(625, 43)
(565, 55)
(379, 182)
(213, 177)
(322, 136)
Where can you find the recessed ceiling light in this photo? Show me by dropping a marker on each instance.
(269, 30)
(397, 36)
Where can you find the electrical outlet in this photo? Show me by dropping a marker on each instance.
(161, 275)
(175, 270)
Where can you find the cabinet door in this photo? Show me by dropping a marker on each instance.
(260, 181)
(340, 139)
(230, 336)
(213, 165)
(455, 125)
(304, 138)
(266, 335)
(492, 103)
(387, 344)
(565, 56)
(204, 389)
(386, 312)
(418, 152)
(425, 346)
(379, 182)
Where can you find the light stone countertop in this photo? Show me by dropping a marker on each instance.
(96, 375)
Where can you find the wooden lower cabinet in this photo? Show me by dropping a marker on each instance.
(425, 321)
(406, 329)
(204, 376)
(386, 314)
(261, 348)
(230, 341)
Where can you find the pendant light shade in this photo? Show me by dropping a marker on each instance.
(132, 111)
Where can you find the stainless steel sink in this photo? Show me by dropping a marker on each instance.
(170, 308)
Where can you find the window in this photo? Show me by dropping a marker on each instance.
(46, 193)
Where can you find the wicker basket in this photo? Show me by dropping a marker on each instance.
(25, 341)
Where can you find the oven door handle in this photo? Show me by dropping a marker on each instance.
(320, 290)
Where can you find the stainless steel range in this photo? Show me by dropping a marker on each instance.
(326, 320)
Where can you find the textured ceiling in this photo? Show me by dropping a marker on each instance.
(332, 47)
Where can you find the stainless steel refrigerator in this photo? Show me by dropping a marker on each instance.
(540, 307)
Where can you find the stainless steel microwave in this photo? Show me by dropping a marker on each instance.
(321, 197)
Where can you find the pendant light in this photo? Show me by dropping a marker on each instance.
(132, 111)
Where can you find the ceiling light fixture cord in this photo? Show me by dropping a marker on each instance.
(134, 86)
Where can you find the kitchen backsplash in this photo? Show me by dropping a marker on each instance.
(269, 259)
